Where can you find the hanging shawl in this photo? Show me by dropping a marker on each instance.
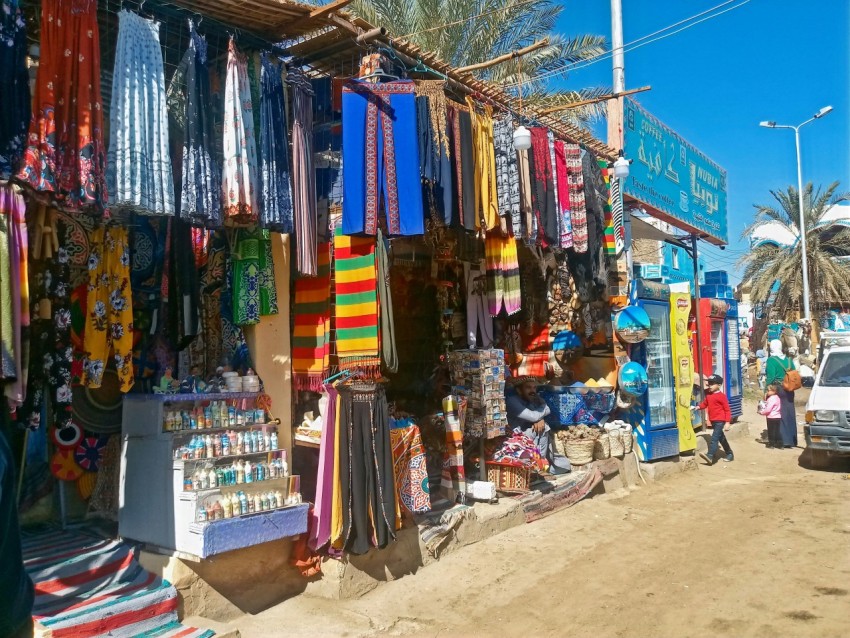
(276, 213)
(303, 177)
(566, 224)
(385, 303)
(15, 106)
(503, 284)
(254, 291)
(578, 211)
(311, 332)
(507, 174)
(454, 475)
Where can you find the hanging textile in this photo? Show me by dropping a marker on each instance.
(464, 163)
(503, 285)
(411, 471)
(578, 211)
(276, 212)
(65, 153)
(109, 308)
(240, 176)
(566, 225)
(526, 207)
(507, 174)
(486, 198)
(14, 294)
(312, 328)
(435, 149)
(200, 202)
(453, 477)
(254, 290)
(479, 322)
(356, 319)
(139, 174)
(381, 158)
(543, 194)
(366, 471)
(234, 346)
(15, 107)
(303, 177)
(385, 303)
(321, 514)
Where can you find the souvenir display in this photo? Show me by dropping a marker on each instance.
(633, 379)
(632, 324)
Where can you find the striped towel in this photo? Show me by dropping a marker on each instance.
(90, 586)
(312, 331)
(503, 282)
(578, 210)
(356, 318)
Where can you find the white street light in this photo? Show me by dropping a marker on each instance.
(621, 167)
(522, 138)
(771, 124)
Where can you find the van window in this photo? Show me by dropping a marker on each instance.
(836, 370)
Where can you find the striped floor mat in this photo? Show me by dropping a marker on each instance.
(87, 586)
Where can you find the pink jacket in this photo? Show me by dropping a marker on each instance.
(771, 407)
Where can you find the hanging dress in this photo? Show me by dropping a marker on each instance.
(304, 178)
(15, 109)
(65, 154)
(276, 213)
(240, 176)
(200, 195)
(139, 173)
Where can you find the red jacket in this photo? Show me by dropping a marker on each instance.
(718, 407)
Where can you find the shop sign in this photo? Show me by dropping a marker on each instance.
(684, 186)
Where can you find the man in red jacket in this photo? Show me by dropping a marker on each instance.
(719, 415)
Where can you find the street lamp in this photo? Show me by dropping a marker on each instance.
(771, 124)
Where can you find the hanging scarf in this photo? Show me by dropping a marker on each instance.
(15, 107)
(254, 290)
(454, 475)
(566, 224)
(356, 319)
(322, 513)
(507, 174)
(578, 209)
(303, 178)
(311, 332)
(411, 471)
(503, 282)
(385, 299)
(276, 212)
(486, 201)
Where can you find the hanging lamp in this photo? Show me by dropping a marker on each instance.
(522, 136)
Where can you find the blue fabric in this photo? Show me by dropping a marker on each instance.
(437, 170)
(400, 110)
(276, 184)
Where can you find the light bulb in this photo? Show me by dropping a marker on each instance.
(522, 138)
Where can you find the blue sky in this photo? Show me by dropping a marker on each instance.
(776, 60)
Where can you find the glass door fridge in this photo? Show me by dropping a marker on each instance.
(660, 399)
(718, 346)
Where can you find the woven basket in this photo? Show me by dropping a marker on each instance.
(617, 446)
(580, 451)
(602, 447)
(627, 440)
(509, 478)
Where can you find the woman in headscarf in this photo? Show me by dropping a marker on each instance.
(777, 365)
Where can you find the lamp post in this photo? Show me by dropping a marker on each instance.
(770, 124)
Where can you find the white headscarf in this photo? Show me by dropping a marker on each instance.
(776, 349)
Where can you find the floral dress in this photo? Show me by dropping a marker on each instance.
(109, 308)
(15, 108)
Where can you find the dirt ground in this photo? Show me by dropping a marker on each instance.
(758, 547)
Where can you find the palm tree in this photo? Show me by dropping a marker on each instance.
(776, 271)
(503, 26)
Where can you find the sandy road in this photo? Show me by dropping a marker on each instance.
(758, 547)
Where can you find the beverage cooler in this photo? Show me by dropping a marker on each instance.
(654, 417)
(719, 347)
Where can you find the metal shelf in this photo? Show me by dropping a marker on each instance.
(197, 396)
(237, 428)
(224, 458)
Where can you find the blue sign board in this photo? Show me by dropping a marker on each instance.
(669, 175)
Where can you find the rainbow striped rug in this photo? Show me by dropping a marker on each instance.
(91, 586)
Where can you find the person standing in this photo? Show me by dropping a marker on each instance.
(778, 366)
(771, 409)
(719, 415)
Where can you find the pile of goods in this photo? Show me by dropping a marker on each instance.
(578, 443)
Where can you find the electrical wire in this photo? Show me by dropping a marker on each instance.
(640, 42)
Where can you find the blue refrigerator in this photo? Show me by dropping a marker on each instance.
(654, 416)
(733, 376)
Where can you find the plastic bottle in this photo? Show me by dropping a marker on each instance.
(240, 417)
(261, 472)
(220, 476)
(240, 472)
(250, 505)
(218, 511)
(217, 447)
(267, 441)
(203, 480)
(249, 474)
(209, 448)
(243, 503)
(278, 495)
(264, 501)
(231, 415)
(234, 501)
(240, 443)
(232, 436)
(213, 478)
(187, 484)
(225, 444)
(227, 507)
(273, 440)
(284, 468)
(258, 503)
(202, 514)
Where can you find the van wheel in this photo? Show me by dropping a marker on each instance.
(820, 459)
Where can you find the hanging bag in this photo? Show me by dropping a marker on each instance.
(793, 380)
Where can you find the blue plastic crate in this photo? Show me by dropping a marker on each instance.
(720, 277)
(657, 444)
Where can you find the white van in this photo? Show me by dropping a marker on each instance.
(827, 428)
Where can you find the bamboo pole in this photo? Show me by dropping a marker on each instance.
(602, 98)
(506, 57)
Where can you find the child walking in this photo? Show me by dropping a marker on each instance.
(719, 415)
(771, 408)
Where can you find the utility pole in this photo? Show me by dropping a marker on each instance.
(615, 105)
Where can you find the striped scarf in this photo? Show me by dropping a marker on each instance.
(311, 333)
(578, 211)
(356, 303)
(454, 476)
(503, 284)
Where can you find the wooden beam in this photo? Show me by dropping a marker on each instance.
(320, 12)
(602, 98)
(506, 57)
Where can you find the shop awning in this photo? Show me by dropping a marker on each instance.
(644, 230)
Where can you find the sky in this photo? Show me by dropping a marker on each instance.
(778, 60)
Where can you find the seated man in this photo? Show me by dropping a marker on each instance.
(526, 411)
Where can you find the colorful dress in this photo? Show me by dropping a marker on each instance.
(65, 154)
(240, 176)
(254, 292)
(138, 164)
